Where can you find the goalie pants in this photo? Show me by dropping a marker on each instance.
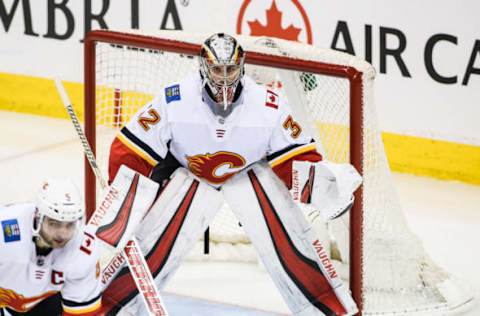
(276, 226)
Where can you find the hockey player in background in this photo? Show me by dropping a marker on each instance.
(219, 135)
(46, 267)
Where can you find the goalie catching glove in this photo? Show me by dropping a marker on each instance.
(327, 186)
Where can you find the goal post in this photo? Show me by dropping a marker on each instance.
(390, 273)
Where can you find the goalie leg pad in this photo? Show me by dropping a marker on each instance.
(120, 210)
(122, 207)
(168, 232)
(286, 244)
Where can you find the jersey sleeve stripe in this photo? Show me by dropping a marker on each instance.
(275, 160)
(138, 147)
(74, 308)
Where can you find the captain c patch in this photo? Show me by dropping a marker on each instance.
(11, 230)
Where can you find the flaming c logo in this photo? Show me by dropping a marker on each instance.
(20, 303)
(216, 168)
(273, 26)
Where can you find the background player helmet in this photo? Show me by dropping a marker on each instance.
(222, 67)
(59, 199)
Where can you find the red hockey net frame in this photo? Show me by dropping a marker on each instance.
(353, 76)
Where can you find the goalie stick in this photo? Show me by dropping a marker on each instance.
(132, 253)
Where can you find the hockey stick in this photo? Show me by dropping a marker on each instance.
(136, 262)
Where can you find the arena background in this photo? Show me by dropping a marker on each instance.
(426, 54)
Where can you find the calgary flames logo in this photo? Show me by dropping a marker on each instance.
(20, 303)
(216, 168)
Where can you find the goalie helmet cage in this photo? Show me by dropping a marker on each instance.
(332, 92)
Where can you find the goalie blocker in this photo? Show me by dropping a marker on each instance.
(276, 226)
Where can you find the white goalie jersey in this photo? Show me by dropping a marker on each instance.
(214, 148)
(26, 279)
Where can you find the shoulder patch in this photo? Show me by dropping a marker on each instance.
(11, 230)
(272, 99)
(172, 93)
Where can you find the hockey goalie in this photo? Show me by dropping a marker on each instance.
(217, 135)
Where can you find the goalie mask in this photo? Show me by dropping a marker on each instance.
(221, 68)
(59, 213)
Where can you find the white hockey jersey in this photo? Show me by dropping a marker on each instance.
(212, 147)
(26, 279)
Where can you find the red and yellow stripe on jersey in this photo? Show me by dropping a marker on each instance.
(130, 151)
(90, 308)
(281, 162)
(289, 153)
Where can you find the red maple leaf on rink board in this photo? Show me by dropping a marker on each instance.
(273, 27)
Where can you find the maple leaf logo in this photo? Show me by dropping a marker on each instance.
(273, 27)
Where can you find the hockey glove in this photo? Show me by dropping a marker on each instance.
(327, 186)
